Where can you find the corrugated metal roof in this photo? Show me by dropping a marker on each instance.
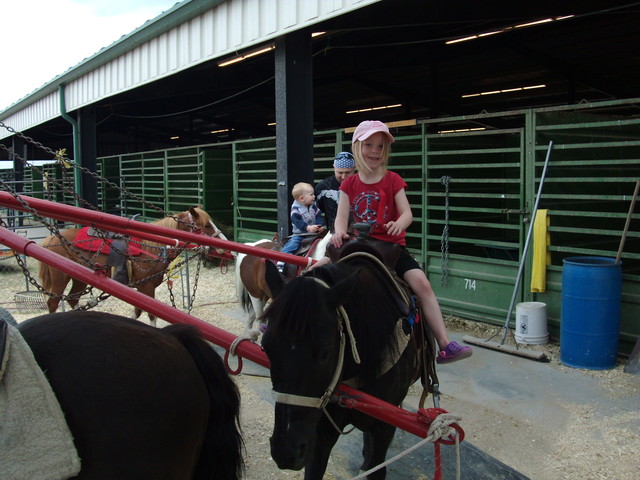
(188, 34)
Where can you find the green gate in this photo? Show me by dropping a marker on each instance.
(476, 207)
(171, 180)
(472, 182)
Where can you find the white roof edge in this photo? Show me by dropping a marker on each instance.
(43, 103)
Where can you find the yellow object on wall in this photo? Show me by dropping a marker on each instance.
(541, 254)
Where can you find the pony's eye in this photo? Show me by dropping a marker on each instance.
(324, 355)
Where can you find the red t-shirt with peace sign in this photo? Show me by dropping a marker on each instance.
(374, 203)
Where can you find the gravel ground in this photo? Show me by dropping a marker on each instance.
(568, 454)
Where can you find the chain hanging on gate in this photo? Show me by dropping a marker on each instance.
(67, 165)
(444, 242)
(177, 265)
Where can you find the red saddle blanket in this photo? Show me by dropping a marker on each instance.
(95, 244)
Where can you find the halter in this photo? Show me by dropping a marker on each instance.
(321, 402)
(343, 318)
(193, 226)
(217, 231)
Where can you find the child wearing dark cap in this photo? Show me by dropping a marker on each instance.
(328, 190)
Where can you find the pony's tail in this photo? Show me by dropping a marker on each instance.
(245, 301)
(44, 271)
(241, 292)
(45, 275)
(222, 450)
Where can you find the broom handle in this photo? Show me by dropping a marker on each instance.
(526, 243)
(628, 222)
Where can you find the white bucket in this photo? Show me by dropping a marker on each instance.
(531, 323)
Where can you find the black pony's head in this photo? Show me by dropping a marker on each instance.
(302, 342)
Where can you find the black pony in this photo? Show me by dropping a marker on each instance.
(307, 321)
(141, 402)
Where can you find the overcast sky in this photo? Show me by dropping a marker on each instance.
(43, 38)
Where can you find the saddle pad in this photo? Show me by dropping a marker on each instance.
(95, 244)
(35, 441)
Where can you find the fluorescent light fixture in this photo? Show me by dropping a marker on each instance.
(458, 130)
(175, 138)
(463, 39)
(317, 34)
(537, 22)
(506, 29)
(240, 58)
(506, 90)
(272, 124)
(371, 109)
(223, 130)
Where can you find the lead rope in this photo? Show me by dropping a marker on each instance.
(438, 429)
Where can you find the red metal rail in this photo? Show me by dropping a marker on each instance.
(412, 422)
(144, 230)
(214, 334)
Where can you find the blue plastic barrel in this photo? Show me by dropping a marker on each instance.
(590, 316)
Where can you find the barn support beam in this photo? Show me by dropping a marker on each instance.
(294, 119)
(88, 152)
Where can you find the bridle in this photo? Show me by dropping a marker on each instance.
(194, 228)
(322, 401)
(343, 325)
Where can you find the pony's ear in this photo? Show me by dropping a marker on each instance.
(194, 213)
(342, 290)
(273, 278)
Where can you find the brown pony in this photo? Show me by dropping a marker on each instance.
(251, 285)
(149, 264)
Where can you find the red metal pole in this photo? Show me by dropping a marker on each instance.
(214, 334)
(365, 403)
(361, 401)
(348, 396)
(115, 223)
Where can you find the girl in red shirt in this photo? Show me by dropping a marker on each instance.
(377, 196)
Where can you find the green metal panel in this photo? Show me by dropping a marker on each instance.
(485, 215)
(55, 191)
(255, 202)
(184, 181)
(218, 183)
(592, 175)
(109, 184)
(131, 171)
(494, 161)
(325, 147)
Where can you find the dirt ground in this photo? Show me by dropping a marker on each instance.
(566, 452)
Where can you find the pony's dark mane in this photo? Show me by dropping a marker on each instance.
(297, 312)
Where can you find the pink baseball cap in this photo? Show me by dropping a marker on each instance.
(368, 128)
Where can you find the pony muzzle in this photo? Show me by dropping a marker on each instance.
(287, 455)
